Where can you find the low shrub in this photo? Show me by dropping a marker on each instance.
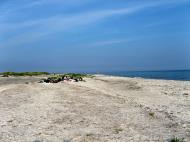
(6, 74)
(68, 76)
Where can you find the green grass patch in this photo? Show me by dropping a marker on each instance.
(6, 74)
(77, 75)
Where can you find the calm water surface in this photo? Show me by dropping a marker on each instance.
(183, 75)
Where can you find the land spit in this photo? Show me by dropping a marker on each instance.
(101, 109)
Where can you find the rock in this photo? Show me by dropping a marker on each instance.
(41, 81)
(9, 121)
(2, 125)
(185, 94)
(37, 141)
(184, 125)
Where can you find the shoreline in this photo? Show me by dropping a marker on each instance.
(153, 79)
(182, 75)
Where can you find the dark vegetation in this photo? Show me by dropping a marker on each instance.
(175, 139)
(51, 79)
(151, 114)
(7, 74)
(66, 77)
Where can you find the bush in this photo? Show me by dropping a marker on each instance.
(53, 79)
(68, 76)
(77, 75)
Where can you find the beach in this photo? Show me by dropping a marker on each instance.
(100, 109)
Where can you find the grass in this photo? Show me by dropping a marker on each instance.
(6, 74)
(117, 130)
(77, 75)
(71, 75)
(52, 79)
(175, 139)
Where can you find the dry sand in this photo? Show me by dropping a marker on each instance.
(102, 109)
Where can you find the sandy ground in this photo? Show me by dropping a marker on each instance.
(102, 109)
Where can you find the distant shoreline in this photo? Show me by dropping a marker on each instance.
(140, 78)
(180, 75)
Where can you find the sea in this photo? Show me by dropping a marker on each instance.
(182, 75)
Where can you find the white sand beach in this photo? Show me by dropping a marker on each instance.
(101, 109)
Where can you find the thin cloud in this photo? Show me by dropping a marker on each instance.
(11, 7)
(62, 23)
(108, 42)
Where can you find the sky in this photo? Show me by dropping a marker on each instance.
(94, 35)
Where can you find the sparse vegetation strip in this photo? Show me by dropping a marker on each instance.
(7, 74)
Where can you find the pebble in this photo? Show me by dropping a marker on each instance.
(184, 125)
(185, 94)
(2, 125)
(11, 120)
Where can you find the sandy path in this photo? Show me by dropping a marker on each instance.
(100, 109)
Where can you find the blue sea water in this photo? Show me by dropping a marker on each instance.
(183, 75)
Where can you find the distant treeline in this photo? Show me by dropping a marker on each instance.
(23, 73)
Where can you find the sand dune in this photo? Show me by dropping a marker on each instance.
(104, 108)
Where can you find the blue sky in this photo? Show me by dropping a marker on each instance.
(94, 35)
